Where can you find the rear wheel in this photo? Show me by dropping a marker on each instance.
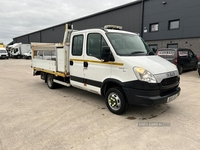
(50, 82)
(115, 101)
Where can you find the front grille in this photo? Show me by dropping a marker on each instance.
(168, 91)
(170, 81)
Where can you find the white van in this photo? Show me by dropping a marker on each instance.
(113, 63)
(27, 55)
(3, 53)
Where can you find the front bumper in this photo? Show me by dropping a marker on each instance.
(149, 98)
(4, 56)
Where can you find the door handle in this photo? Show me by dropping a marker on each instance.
(71, 63)
(85, 64)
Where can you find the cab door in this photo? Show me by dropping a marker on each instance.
(95, 70)
(183, 58)
(192, 60)
(76, 61)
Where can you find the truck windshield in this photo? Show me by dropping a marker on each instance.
(128, 44)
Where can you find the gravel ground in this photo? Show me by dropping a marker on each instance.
(33, 117)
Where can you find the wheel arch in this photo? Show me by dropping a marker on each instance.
(109, 83)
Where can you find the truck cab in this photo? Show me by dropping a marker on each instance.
(18, 50)
(120, 66)
(113, 63)
(14, 50)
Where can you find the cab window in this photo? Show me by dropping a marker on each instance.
(191, 54)
(183, 53)
(95, 42)
(77, 45)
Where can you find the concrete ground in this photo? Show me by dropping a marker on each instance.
(33, 117)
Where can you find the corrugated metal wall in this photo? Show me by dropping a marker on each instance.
(128, 17)
(35, 37)
(53, 35)
(24, 39)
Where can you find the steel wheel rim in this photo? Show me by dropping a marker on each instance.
(114, 101)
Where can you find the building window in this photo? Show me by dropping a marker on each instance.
(154, 27)
(174, 24)
(174, 45)
(153, 47)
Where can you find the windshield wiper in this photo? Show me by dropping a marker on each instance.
(136, 52)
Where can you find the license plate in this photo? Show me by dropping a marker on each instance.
(173, 97)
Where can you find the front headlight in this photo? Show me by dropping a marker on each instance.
(144, 75)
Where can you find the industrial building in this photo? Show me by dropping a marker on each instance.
(162, 23)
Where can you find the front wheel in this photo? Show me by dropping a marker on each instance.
(180, 69)
(50, 82)
(115, 101)
(196, 66)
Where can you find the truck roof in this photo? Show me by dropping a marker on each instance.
(120, 31)
(106, 30)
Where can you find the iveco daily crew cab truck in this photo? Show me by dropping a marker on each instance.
(110, 62)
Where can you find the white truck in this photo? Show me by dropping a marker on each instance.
(110, 62)
(27, 55)
(18, 49)
(3, 53)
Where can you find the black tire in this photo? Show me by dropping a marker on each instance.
(50, 82)
(195, 67)
(180, 69)
(116, 101)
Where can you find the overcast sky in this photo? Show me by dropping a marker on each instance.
(19, 17)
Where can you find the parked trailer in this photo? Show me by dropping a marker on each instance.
(110, 62)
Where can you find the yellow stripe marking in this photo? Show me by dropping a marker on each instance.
(98, 62)
(52, 72)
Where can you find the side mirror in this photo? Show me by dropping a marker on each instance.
(151, 53)
(105, 53)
